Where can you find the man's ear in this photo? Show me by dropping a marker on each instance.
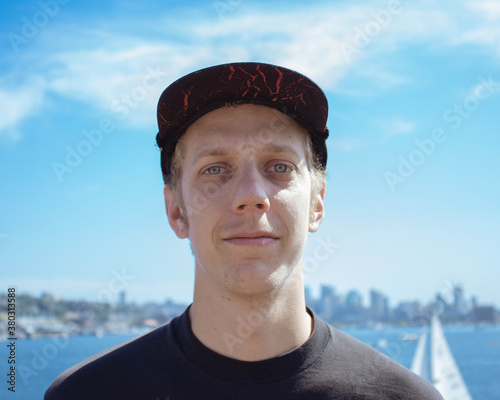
(174, 214)
(318, 210)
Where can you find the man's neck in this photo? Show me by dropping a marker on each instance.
(251, 330)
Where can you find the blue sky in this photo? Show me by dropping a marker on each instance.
(413, 189)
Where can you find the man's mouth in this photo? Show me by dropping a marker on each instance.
(257, 238)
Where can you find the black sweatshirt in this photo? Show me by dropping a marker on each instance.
(170, 363)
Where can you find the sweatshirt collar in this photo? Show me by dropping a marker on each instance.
(251, 372)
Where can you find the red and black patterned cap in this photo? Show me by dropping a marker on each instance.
(200, 92)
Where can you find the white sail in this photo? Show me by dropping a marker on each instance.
(420, 363)
(446, 376)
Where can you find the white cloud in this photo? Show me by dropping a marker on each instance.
(398, 126)
(18, 104)
(105, 69)
(347, 145)
(112, 75)
(132, 77)
(307, 40)
(489, 9)
(483, 29)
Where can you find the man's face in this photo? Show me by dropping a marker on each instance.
(247, 197)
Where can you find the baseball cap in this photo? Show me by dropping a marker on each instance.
(207, 89)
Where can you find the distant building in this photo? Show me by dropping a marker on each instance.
(122, 300)
(326, 304)
(352, 311)
(484, 314)
(379, 306)
(474, 302)
(408, 311)
(459, 302)
(440, 305)
(354, 301)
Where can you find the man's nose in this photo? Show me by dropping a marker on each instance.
(250, 192)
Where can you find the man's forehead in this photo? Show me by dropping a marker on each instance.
(242, 114)
(237, 128)
(244, 125)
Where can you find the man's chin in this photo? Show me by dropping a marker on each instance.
(256, 280)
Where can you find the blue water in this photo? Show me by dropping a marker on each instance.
(476, 350)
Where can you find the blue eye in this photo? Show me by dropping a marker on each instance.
(214, 170)
(280, 168)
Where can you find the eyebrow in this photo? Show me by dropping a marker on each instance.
(268, 148)
(217, 152)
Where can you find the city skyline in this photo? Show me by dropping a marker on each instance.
(116, 294)
(453, 305)
(49, 314)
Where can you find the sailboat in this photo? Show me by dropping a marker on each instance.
(442, 370)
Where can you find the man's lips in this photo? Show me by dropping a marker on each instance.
(251, 238)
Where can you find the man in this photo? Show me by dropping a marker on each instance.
(243, 156)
